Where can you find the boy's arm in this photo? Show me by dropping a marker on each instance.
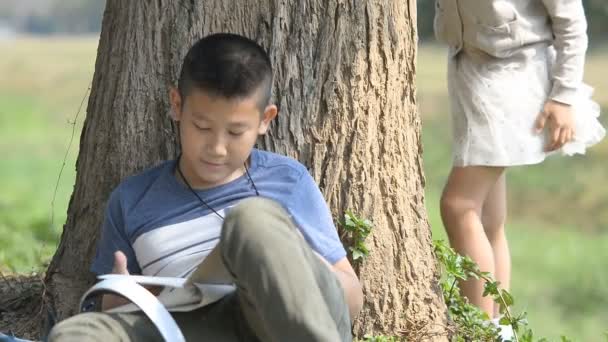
(110, 301)
(114, 245)
(313, 218)
(351, 285)
(353, 292)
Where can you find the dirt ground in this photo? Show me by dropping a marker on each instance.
(21, 305)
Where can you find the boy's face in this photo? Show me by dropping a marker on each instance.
(217, 135)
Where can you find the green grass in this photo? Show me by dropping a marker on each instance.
(558, 222)
(43, 82)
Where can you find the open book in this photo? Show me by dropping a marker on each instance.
(208, 283)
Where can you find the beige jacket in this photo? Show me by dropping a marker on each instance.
(501, 27)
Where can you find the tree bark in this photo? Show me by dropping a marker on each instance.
(345, 86)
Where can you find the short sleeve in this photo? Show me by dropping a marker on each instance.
(312, 216)
(113, 238)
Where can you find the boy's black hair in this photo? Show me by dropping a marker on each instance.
(227, 65)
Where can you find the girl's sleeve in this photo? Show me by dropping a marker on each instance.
(570, 40)
(312, 216)
(113, 238)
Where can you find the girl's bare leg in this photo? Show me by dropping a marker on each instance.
(461, 209)
(493, 217)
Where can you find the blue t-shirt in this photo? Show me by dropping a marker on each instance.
(164, 230)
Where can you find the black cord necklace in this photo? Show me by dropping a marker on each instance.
(179, 170)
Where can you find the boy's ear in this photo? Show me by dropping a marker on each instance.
(176, 104)
(270, 112)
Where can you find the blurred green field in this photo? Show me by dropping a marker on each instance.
(42, 84)
(558, 211)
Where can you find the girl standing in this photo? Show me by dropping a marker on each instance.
(515, 75)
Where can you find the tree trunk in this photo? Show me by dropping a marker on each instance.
(344, 83)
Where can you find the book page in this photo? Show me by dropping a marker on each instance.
(208, 283)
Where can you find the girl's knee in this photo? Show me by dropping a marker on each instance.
(453, 206)
(457, 213)
(495, 230)
(493, 224)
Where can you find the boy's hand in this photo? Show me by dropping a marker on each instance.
(560, 121)
(110, 301)
(120, 263)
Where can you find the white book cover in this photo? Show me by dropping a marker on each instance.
(208, 283)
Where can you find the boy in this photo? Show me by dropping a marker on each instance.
(222, 191)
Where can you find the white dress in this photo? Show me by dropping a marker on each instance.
(496, 101)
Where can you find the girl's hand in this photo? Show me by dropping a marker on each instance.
(558, 117)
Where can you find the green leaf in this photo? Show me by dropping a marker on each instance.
(469, 265)
(490, 287)
(504, 321)
(502, 308)
(361, 245)
(357, 254)
(507, 297)
(349, 224)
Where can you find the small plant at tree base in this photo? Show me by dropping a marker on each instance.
(356, 230)
(472, 324)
